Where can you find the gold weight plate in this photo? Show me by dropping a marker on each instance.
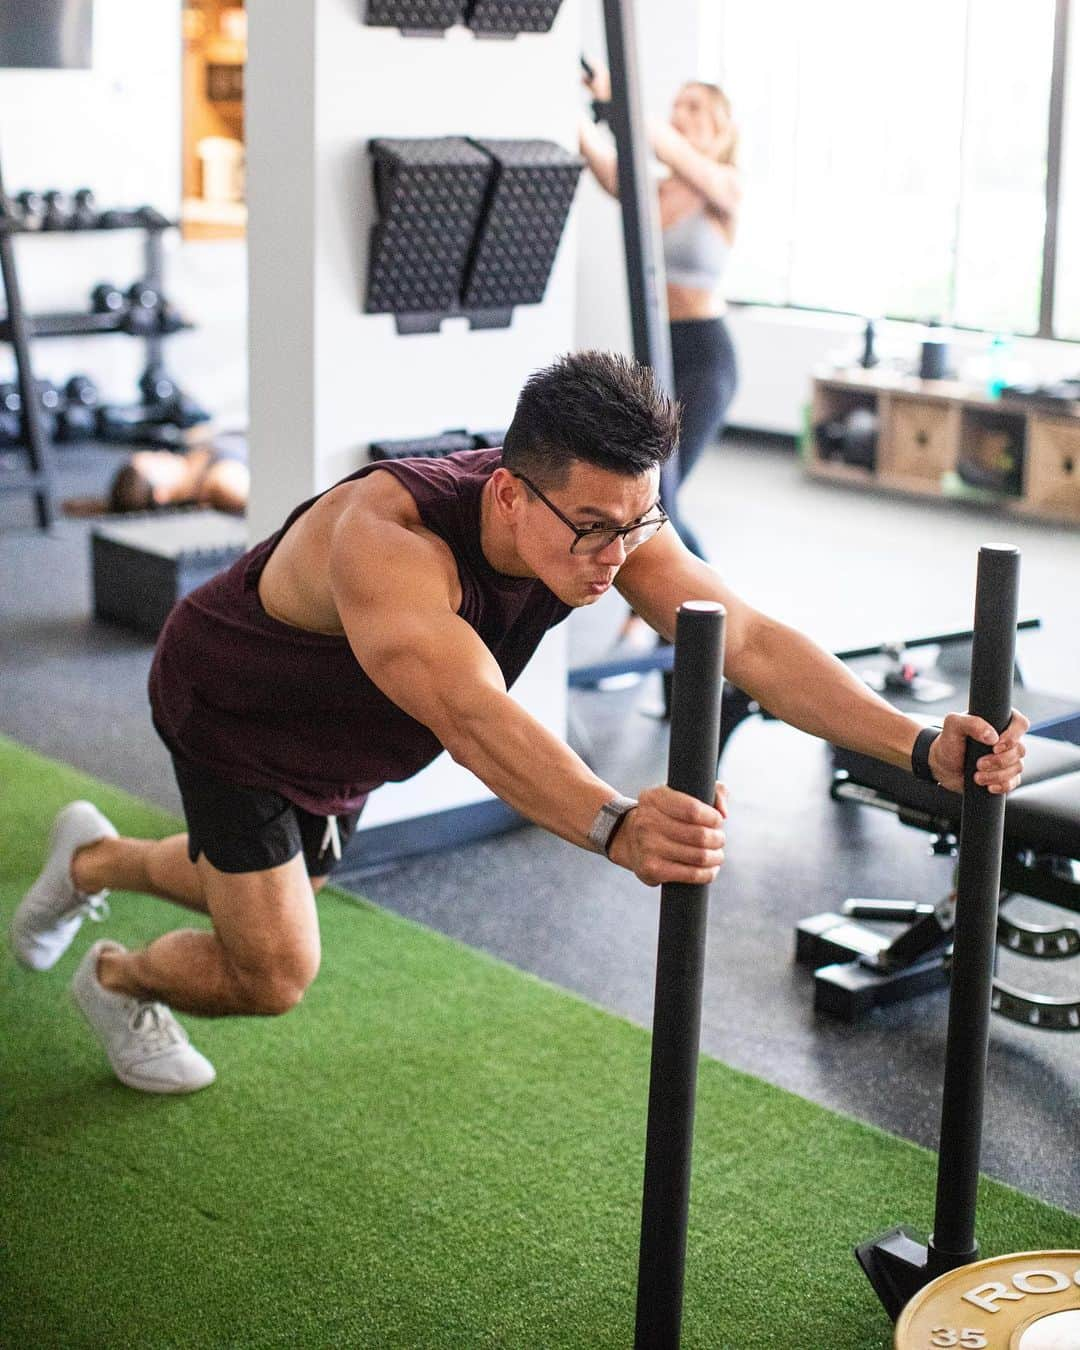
(995, 1305)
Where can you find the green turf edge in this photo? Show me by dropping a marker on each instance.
(495, 1200)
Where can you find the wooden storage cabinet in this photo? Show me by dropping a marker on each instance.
(1052, 477)
(917, 442)
(943, 439)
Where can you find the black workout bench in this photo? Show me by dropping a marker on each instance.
(859, 968)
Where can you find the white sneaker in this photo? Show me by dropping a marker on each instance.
(52, 911)
(147, 1047)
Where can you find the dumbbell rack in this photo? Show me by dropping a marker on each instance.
(17, 328)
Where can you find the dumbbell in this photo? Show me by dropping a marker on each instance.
(10, 421)
(84, 213)
(57, 213)
(106, 298)
(166, 317)
(142, 314)
(170, 320)
(165, 401)
(10, 429)
(117, 220)
(185, 412)
(49, 402)
(11, 410)
(150, 218)
(156, 386)
(77, 420)
(131, 426)
(48, 395)
(31, 209)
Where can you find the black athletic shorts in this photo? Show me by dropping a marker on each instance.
(244, 829)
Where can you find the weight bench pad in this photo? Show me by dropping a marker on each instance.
(1043, 813)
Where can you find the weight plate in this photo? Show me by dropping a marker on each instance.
(1027, 1301)
(1058, 1331)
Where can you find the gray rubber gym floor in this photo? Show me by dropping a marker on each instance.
(848, 567)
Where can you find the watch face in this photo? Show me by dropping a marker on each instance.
(607, 819)
(612, 816)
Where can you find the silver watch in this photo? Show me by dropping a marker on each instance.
(608, 819)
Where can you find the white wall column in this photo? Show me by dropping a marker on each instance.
(327, 378)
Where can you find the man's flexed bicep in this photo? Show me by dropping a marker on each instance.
(396, 592)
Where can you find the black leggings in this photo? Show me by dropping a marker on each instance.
(705, 378)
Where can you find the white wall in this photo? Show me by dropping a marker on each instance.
(327, 378)
(116, 128)
(368, 382)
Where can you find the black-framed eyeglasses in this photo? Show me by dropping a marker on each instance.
(596, 538)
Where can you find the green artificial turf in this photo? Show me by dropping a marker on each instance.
(433, 1150)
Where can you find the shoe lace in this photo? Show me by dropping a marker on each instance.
(96, 908)
(156, 1026)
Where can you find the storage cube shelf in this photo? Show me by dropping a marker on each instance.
(940, 438)
(917, 441)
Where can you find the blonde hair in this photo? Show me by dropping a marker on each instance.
(721, 104)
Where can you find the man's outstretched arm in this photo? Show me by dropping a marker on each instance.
(399, 616)
(801, 683)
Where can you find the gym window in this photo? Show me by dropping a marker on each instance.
(901, 161)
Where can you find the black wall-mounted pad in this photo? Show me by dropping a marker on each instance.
(433, 447)
(488, 440)
(429, 193)
(523, 221)
(512, 16)
(420, 16)
(425, 447)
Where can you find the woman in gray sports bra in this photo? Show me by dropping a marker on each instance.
(699, 210)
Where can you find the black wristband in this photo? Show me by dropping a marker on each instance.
(614, 831)
(920, 753)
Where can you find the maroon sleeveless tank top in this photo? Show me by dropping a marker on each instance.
(264, 704)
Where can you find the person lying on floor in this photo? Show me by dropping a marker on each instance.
(214, 475)
(383, 623)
